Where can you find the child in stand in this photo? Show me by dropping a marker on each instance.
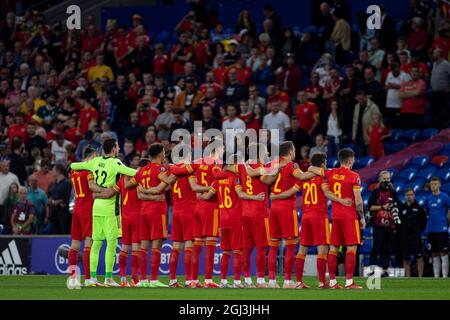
(377, 133)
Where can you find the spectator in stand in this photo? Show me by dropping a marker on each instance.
(304, 163)
(376, 55)
(11, 200)
(377, 133)
(181, 53)
(414, 61)
(276, 23)
(325, 19)
(232, 126)
(320, 145)
(88, 140)
(202, 53)
(254, 99)
(142, 146)
(341, 37)
(418, 38)
(59, 198)
(164, 121)
(133, 131)
(307, 113)
(209, 121)
(234, 91)
(58, 149)
(88, 114)
(440, 84)
(188, 101)
(393, 82)
(314, 90)
(386, 35)
(298, 136)
(39, 199)
(105, 128)
(290, 42)
(245, 22)
(264, 75)
(413, 219)
(362, 118)
(100, 70)
(346, 96)
(17, 162)
(232, 55)
(413, 95)
(334, 130)
(179, 122)
(389, 59)
(19, 128)
(438, 208)
(288, 77)
(6, 179)
(44, 175)
(372, 87)
(23, 214)
(277, 120)
(34, 140)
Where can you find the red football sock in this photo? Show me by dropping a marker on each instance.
(299, 265)
(237, 264)
(155, 261)
(224, 265)
(332, 264)
(246, 261)
(195, 259)
(123, 256)
(143, 256)
(173, 263)
(350, 262)
(135, 266)
(73, 259)
(209, 258)
(321, 267)
(289, 257)
(261, 262)
(86, 263)
(273, 252)
(187, 263)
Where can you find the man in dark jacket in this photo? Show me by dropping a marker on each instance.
(413, 222)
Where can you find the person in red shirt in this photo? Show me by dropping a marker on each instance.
(415, 62)
(331, 87)
(88, 114)
(244, 73)
(82, 182)
(307, 113)
(274, 95)
(283, 218)
(377, 132)
(202, 53)
(150, 180)
(413, 94)
(92, 41)
(181, 53)
(442, 41)
(211, 83)
(121, 47)
(19, 128)
(221, 71)
(288, 78)
(418, 38)
(161, 61)
(315, 229)
(346, 220)
(314, 91)
(72, 133)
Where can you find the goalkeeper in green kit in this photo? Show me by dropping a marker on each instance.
(106, 218)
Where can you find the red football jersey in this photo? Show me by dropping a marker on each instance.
(131, 204)
(342, 182)
(149, 177)
(253, 186)
(230, 205)
(204, 172)
(314, 201)
(83, 195)
(284, 182)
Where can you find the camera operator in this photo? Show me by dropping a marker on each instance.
(383, 210)
(414, 221)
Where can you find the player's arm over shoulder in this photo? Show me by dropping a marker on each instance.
(85, 165)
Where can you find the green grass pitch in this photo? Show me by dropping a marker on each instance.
(54, 287)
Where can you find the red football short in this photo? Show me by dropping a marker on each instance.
(153, 223)
(283, 223)
(182, 224)
(231, 238)
(130, 230)
(206, 222)
(256, 232)
(315, 231)
(81, 222)
(345, 232)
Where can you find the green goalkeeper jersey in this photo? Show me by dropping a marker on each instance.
(106, 172)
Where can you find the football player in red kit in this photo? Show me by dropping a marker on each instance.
(315, 230)
(346, 220)
(283, 218)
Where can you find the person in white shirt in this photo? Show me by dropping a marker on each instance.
(235, 126)
(393, 101)
(277, 120)
(334, 131)
(58, 149)
(6, 179)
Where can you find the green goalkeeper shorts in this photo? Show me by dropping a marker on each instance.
(106, 227)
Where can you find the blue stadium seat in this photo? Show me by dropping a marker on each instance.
(399, 187)
(422, 193)
(393, 172)
(421, 199)
(410, 135)
(408, 174)
(443, 174)
(366, 161)
(428, 133)
(401, 197)
(397, 147)
(332, 162)
(415, 186)
(426, 173)
(419, 181)
(414, 167)
(162, 36)
(400, 180)
(396, 134)
(421, 161)
(446, 188)
(310, 29)
(365, 199)
(363, 187)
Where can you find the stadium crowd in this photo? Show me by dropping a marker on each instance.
(325, 87)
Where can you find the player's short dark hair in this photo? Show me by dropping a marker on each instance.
(155, 149)
(143, 162)
(318, 159)
(286, 147)
(434, 178)
(88, 151)
(409, 190)
(345, 154)
(109, 144)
